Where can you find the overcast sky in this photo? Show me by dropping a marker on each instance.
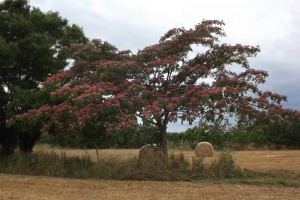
(274, 25)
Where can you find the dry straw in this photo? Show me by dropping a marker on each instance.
(147, 149)
(204, 149)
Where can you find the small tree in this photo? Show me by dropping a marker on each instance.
(163, 83)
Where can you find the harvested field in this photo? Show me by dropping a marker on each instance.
(263, 160)
(254, 160)
(14, 187)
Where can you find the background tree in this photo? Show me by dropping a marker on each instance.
(279, 131)
(163, 83)
(31, 45)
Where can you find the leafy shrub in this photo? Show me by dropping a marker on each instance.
(225, 167)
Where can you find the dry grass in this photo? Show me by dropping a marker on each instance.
(14, 187)
(254, 160)
(103, 153)
(262, 160)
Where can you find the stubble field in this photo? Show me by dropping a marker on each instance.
(35, 188)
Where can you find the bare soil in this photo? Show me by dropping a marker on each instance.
(15, 187)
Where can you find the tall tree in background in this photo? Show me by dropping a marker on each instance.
(31, 45)
(161, 84)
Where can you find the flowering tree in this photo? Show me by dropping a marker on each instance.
(161, 84)
(69, 104)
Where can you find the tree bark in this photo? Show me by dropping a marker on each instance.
(27, 141)
(163, 140)
(8, 140)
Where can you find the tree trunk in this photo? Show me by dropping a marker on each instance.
(27, 141)
(163, 141)
(8, 140)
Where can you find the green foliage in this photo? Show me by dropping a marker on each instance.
(36, 39)
(258, 135)
(31, 48)
(241, 137)
(270, 134)
(94, 135)
(89, 135)
(282, 133)
(217, 136)
(26, 99)
(276, 134)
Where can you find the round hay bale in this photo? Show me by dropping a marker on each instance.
(147, 150)
(204, 149)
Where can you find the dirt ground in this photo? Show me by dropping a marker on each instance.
(16, 187)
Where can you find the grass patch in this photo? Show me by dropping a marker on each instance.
(149, 167)
(50, 164)
(283, 178)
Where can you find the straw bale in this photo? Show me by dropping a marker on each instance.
(204, 149)
(148, 149)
